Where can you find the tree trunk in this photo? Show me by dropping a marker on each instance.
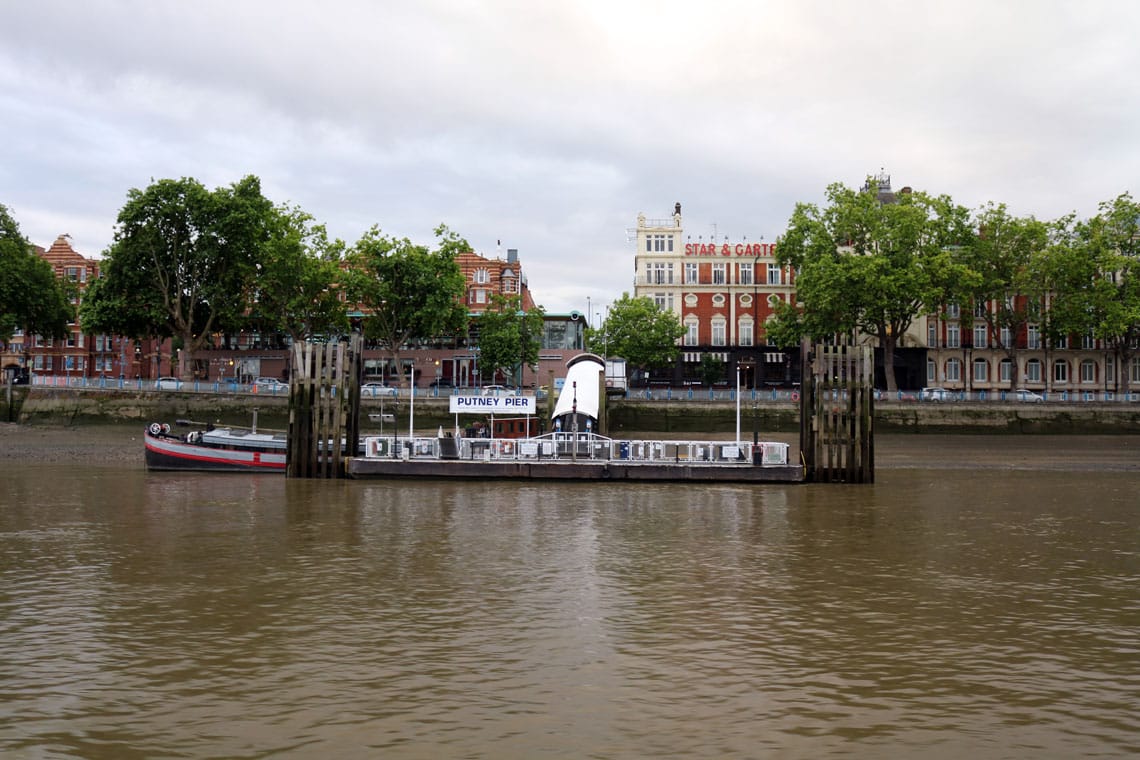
(888, 342)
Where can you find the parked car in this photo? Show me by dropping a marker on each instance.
(167, 384)
(934, 394)
(1029, 396)
(376, 389)
(269, 385)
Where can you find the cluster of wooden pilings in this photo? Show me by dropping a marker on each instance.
(324, 407)
(836, 412)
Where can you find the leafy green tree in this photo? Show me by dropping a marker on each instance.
(871, 267)
(32, 298)
(712, 369)
(1004, 261)
(298, 279)
(183, 263)
(409, 293)
(1095, 281)
(509, 338)
(639, 332)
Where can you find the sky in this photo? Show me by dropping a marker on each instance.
(548, 127)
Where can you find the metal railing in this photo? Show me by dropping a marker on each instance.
(652, 393)
(576, 447)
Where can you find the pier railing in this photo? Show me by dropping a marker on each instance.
(580, 447)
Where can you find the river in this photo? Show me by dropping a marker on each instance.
(945, 611)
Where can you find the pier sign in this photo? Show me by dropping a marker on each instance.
(492, 405)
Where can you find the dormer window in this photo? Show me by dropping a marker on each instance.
(482, 276)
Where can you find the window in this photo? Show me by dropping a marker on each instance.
(745, 332)
(1134, 374)
(480, 295)
(980, 310)
(1061, 371)
(775, 276)
(1006, 370)
(482, 276)
(745, 276)
(718, 332)
(691, 333)
(1006, 337)
(658, 243)
(1088, 342)
(658, 273)
(932, 334)
(1033, 370)
(1088, 371)
(981, 371)
(953, 336)
(952, 311)
(690, 272)
(1061, 342)
(718, 274)
(664, 301)
(1033, 337)
(981, 336)
(931, 371)
(953, 370)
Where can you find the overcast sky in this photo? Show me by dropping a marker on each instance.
(549, 126)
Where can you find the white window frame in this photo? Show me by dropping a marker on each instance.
(1005, 370)
(692, 333)
(775, 275)
(719, 276)
(744, 332)
(692, 272)
(953, 370)
(981, 371)
(719, 328)
(981, 336)
(953, 336)
(1088, 371)
(1033, 370)
(1061, 371)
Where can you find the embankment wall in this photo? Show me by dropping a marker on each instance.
(64, 406)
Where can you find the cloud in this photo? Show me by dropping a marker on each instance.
(549, 127)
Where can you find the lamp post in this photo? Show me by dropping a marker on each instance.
(412, 403)
(738, 403)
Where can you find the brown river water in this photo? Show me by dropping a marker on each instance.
(981, 599)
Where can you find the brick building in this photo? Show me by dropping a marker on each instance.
(722, 291)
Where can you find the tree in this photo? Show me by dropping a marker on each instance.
(1004, 260)
(641, 333)
(298, 279)
(409, 293)
(1095, 279)
(871, 267)
(32, 298)
(183, 262)
(509, 338)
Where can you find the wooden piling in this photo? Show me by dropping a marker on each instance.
(836, 411)
(324, 407)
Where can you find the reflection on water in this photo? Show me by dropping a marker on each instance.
(934, 614)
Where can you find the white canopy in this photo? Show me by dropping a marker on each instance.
(583, 380)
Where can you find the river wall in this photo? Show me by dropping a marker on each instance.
(69, 406)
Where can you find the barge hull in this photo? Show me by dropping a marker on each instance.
(605, 470)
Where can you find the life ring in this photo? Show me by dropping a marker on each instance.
(154, 428)
(795, 395)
